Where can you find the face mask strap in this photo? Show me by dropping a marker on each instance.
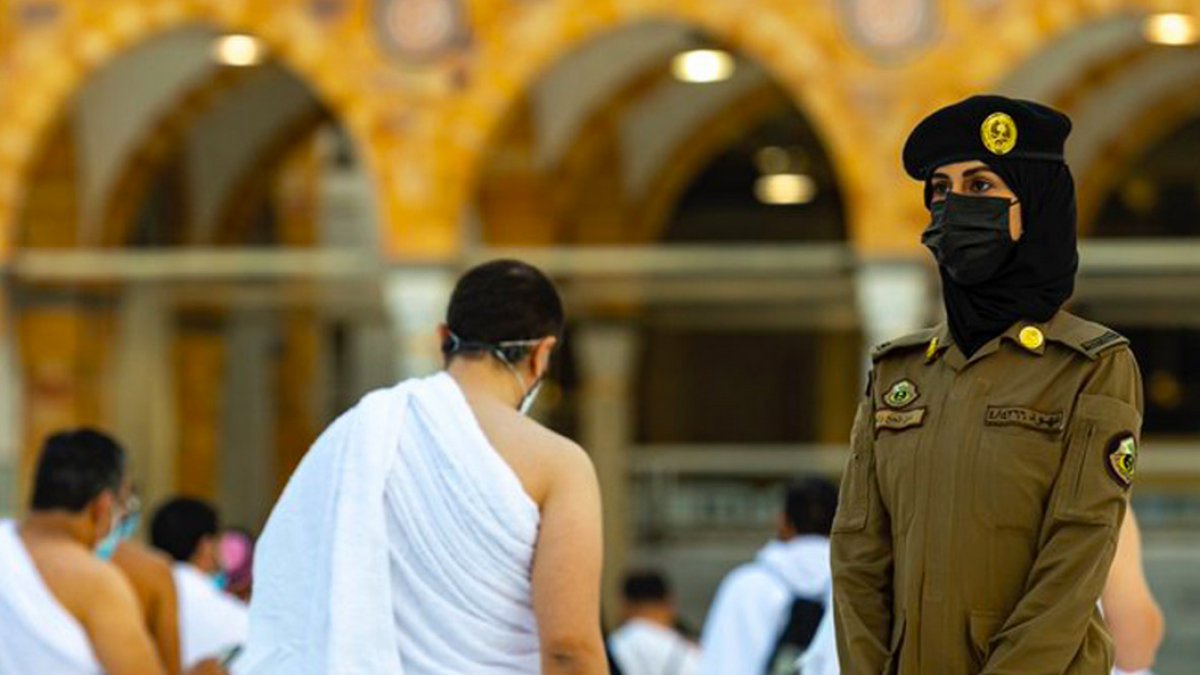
(507, 352)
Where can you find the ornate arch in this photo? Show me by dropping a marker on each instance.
(42, 69)
(799, 43)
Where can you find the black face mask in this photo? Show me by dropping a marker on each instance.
(969, 237)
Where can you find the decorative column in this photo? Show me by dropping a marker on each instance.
(10, 407)
(143, 388)
(607, 358)
(416, 299)
(894, 298)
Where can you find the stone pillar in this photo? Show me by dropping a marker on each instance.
(416, 299)
(894, 298)
(249, 410)
(143, 389)
(10, 407)
(607, 358)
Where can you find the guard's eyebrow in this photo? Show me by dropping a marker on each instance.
(966, 174)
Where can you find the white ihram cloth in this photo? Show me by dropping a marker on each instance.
(753, 603)
(642, 647)
(403, 544)
(211, 622)
(37, 634)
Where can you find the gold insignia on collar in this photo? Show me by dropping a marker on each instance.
(901, 394)
(932, 350)
(1122, 458)
(1031, 338)
(999, 133)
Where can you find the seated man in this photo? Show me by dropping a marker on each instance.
(647, 643)
(64, 610)
(212, 623)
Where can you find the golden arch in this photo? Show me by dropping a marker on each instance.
(44, 68)
(798, 43)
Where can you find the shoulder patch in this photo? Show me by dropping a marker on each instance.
(1088, 338)
(919, 339)
(1103, 342)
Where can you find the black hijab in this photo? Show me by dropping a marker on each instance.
(1039, 276)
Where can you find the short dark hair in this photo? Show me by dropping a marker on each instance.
(75, 467)
(502, 301)
(810, 505)
(645, 586)
(180, 524)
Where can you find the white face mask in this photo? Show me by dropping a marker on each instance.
(528, 401)
(529, 398)
(531, 394)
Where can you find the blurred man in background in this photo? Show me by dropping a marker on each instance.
(236, 553)
(647, 643)
(149, 572)
(772, 615)
(212, 623)
(1130, 611)
(63, 609)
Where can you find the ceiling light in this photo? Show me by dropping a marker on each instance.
(238, 50)
(703, 65)
(1171, 29)
(785, 188)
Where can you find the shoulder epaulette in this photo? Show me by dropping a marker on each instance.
(920, 339)
(1086, 337)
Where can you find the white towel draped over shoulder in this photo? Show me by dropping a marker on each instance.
(403, 544)
(37, 635)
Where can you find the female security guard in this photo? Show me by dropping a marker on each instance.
(993, 455)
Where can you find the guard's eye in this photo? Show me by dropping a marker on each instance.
(978, 185)
(939, 190)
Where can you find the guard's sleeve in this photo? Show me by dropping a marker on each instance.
(1079, 534)
(862, 557)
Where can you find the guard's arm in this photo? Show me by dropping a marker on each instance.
(862, 557)
(1079, 534)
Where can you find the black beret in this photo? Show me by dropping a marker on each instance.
(984, 128)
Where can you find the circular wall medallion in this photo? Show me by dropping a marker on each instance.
(420, 30)
(889, 29)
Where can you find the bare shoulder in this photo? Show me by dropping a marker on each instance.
(148, 570)
(134, 557)
(79, 580)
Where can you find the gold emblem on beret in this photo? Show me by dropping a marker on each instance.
(901, 394)
(1122, 458)
(1031, 338)
(999, 133)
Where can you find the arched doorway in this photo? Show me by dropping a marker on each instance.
(173, 282)
(638, 183)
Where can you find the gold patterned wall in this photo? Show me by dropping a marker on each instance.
(423, 106)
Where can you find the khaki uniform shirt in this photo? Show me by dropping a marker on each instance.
(980, 508)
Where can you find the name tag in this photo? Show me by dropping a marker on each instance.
(998, 416)
(897, 420)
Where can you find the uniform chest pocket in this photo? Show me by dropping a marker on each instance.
(895, 457)
(1014, 473)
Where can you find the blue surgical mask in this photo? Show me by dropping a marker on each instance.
(123, 529)
(220, 580)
